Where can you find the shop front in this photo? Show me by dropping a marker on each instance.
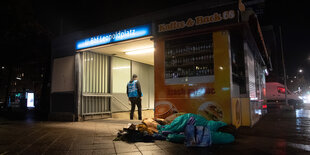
(210, 63)
(204, 60)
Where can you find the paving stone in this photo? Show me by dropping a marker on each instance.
(130, 153)
(102, 141)
(176, 151)
(171, 145)
(148, 148)
(54, 152)
(83, 147)
(39, 149)
(58, 146)
(124, 148)
(265, 137)
(30, 152)
(157, 152)
(80, 152)
(103, 146)
(104, 151)
(144, 143)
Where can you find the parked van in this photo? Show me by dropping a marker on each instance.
(275, 96)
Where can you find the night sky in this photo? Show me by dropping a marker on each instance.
(62, 17)
(293, 17)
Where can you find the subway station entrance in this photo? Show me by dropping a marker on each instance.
(103, 74)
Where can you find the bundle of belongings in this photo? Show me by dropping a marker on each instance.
(143, 132)
(191, 129)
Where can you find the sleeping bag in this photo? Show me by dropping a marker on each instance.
(178, 125)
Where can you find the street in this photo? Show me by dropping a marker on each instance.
(278, 132)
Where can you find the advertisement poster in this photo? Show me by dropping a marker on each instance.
(30, 100)
(209, 97)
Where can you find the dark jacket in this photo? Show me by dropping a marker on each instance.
(138, 87)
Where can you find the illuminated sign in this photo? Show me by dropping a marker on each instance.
(30, 99)
(198, 20)
(130, 33)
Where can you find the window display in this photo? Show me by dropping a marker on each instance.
(189, 60)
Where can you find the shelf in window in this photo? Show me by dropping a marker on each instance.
(190, 64)
(190, 54)
(207, 42)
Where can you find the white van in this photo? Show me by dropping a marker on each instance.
(275, 95)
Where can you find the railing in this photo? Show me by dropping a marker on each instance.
(94, 103)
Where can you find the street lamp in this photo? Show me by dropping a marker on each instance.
(300, 71)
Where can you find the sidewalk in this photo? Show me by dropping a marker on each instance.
(276, 133)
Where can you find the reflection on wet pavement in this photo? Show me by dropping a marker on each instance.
(299, 146)
(302, 113)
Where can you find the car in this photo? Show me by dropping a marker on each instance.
(275, 96)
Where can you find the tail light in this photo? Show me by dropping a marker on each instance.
(281, 90)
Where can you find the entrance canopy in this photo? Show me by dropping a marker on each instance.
(140, 50)
(132, 43)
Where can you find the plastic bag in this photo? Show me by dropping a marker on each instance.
(197, 136)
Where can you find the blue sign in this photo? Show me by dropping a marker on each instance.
(135, 32)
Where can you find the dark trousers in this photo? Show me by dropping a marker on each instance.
(135, 101)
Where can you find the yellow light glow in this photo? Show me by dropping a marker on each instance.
(123, 67)
(140, 51)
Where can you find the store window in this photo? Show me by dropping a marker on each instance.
(189, 60)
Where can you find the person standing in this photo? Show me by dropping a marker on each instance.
(134, 94)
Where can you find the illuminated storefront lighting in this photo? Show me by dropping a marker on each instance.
(140, 51)
(123, 67)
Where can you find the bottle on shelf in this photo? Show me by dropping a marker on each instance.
(207, 70)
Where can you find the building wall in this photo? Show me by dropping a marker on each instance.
(62, 91)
